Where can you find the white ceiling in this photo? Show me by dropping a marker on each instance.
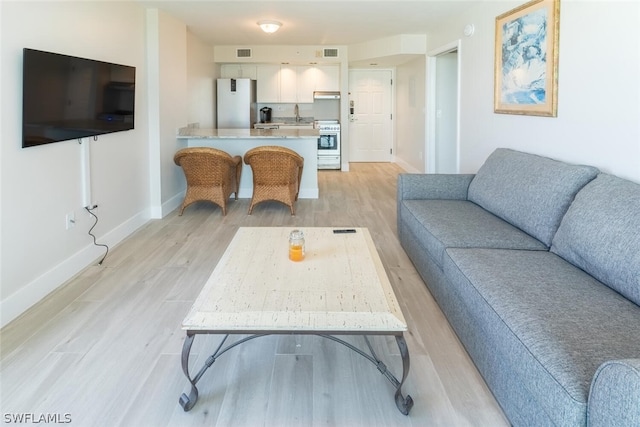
(307, 22)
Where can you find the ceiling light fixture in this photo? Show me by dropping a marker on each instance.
(269, 27)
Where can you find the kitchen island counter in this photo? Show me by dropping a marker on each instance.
(192, 133)
(237, 142)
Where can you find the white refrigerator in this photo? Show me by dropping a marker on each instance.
(236, 103)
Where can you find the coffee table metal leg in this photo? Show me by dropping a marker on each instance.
(187, 402)
(404, 404)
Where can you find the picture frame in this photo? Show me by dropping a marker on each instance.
(526, 59)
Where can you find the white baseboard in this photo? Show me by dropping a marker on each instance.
(30, 294)
(406, 166)
(172, 204)
(309, 193)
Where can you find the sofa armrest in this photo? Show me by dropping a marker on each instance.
(614, 398)
(433, 186)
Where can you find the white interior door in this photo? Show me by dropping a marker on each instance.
(370, 137)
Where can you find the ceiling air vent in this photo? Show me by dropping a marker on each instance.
(330, 53)
(243, 53)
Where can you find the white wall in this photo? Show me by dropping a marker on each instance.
(410, 113)
(132, 173)
(599, 92)
(40, 185)
(200, 82)
(167, 51)
(398, 47)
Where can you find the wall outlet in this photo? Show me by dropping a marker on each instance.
(70, 220)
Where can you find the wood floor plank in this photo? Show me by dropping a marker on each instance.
(153, 406)
(335, 387)
(290, 395)
(106, 346)
(375, 393)
(249, 389)
(435, 403)
(14, 334)
(22, 358)
(37, 384)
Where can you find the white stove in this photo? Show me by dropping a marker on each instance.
(329, 125)
(328, 144)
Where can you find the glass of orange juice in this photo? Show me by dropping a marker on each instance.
(296, 245)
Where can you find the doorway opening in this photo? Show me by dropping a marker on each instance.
(443, 118)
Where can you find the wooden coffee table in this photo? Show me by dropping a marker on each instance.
(340, 288)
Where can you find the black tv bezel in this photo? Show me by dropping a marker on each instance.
(89, 131)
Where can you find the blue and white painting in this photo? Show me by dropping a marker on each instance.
(524, 59)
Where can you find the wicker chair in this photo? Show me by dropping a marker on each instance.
(211, 175)
(277, 172)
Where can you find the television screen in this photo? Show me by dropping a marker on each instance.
(65, 97)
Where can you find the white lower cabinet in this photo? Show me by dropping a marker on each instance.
(296, 127)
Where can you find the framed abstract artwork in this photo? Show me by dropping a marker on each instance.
(526, 59)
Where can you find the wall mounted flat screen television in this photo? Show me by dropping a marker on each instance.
(65, 97)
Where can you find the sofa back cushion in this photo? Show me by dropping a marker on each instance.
(601, 234)
(528, 191)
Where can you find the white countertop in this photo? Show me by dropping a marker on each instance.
(188, 133)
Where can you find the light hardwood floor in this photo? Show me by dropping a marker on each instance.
(105, 348)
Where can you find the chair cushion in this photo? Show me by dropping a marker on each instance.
(528, 191)
(601, 233)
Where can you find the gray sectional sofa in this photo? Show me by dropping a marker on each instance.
(536, 264)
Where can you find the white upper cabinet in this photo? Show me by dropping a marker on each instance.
(328, 78)
(288, 84)
(268, 83)
(306, 83)
(238, 71)
(295, 84)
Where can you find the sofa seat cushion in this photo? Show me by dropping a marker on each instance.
(552, 323)
(529, 191)
(440, 224)
(601, 233)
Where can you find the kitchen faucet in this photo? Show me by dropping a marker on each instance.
(296, 111)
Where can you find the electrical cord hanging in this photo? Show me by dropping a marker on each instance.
(90, 209)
